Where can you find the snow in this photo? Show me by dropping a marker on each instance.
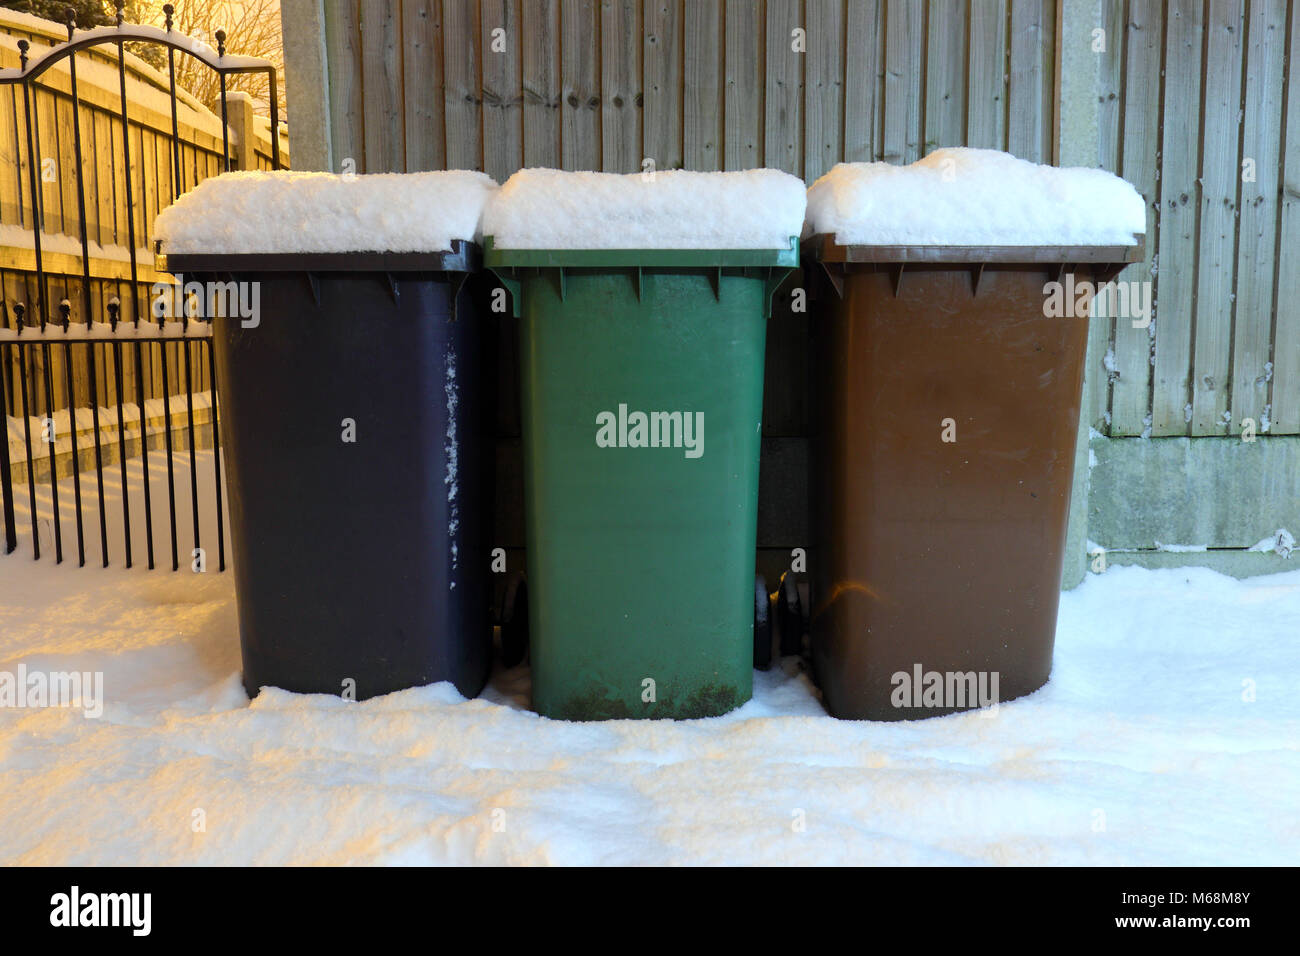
(451, 449)
(193, 45)
(273, 212)
(673, 209)
(961, 196)
(1169, 734)
(20, 237)
(104, 331)
(155, 410)
(1281, 542)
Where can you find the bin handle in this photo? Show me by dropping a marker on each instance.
(775, 276)
(514, 287)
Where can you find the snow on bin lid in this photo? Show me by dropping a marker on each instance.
(974, 197)
(285, 212)
(672, 209)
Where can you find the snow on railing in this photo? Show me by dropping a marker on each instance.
(125, 331)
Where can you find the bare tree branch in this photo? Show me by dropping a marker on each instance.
(252, 28)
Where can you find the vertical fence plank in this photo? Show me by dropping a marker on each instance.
(422, 84)
(381, 77)
(343, 49)
(118, 210)
(1218, 180)
(541, 79)
(1030, 111)
(861, 80)
(662, 64)
(104, 159)
(580, 84)
(28, 206)
(783, 106)
(1256, 247)
(1110, 87)
(703, 104)
(503, 135)
(823, 87)
(987, 75)
(945, 75)
(49, 161)
(743, 86)
(620, 85)
(141, 180)
(1178, 173)
(69, 169)
(12, 185)
(901, 124)
(1143, 55)
(1101, 328)
(461, 86)
(163, 164)
(1286, 346)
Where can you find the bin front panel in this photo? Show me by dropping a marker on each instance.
(640, 558)
(353, 454)
(941, 557)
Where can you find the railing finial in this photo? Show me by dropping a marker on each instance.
(65, 310)
(121, 6)
(221, 42)
(19, 311)
(168, 10)
(114, 310)
(22, 52)
(70, 18)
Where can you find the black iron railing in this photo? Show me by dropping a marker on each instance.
(117, 365)
(128, 353)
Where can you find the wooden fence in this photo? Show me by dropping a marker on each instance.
(1203, 116)
(1200, 114)
(602, 84)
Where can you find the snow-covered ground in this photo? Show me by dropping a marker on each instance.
(1169, 734)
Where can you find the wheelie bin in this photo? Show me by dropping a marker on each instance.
(641, 383)
(942, 456)
(352, 409)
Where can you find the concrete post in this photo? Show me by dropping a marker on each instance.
(306, 78)
(239, 114)
(1077, 140)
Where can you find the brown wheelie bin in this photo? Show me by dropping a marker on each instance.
(942, 458)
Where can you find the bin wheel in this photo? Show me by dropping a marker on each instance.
(514, 623)
(762, 624)
(789, 616)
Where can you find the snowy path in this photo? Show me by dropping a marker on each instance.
(1141, 750)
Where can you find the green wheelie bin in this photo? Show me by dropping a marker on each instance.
(642, 392)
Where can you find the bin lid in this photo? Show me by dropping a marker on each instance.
(461, 257)
(494, 257)
(824, 248)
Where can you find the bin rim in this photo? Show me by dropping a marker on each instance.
(824, 248)
(463, 256)
(495, 257)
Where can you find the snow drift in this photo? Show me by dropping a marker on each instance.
(278, 212)
(974, 197)
(550, 209)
